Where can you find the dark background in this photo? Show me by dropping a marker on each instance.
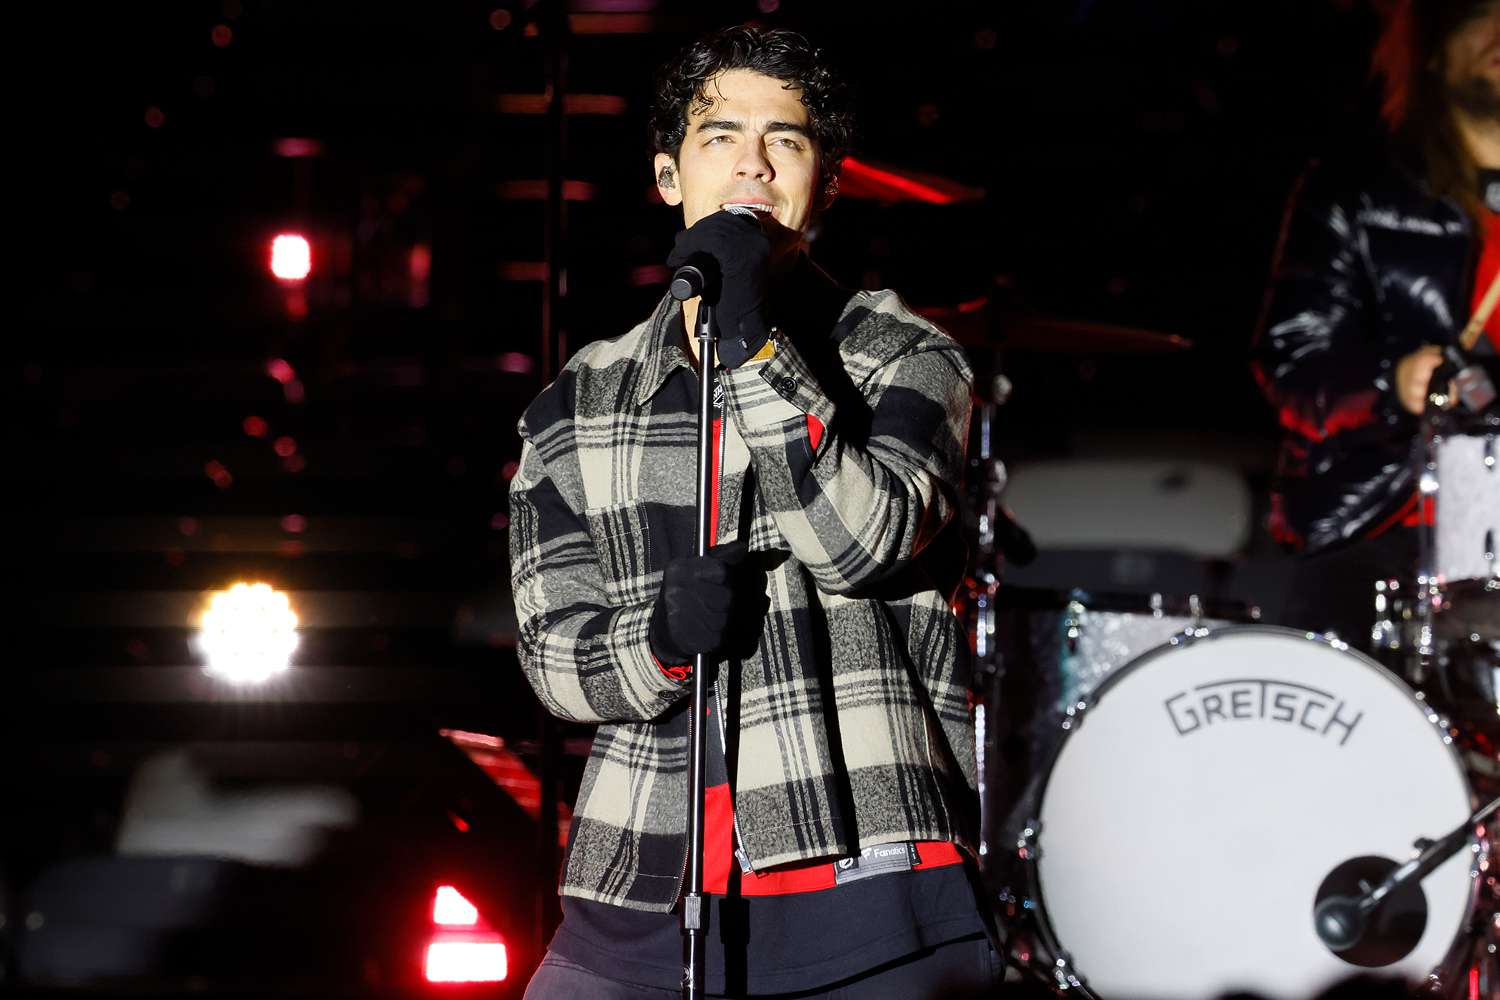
(1136, 156)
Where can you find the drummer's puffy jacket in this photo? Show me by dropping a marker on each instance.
(1371, 265)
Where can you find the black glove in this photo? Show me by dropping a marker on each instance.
(694, 609)
(741, 251)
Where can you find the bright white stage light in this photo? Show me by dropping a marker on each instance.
(248, 633)
(291, 257)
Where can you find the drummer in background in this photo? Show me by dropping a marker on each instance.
(1381, 261)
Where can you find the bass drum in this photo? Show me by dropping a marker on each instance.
(1194, 810)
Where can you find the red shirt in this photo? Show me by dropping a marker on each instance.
(718, 807)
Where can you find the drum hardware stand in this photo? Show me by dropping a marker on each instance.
(1429, 591)
(983, 584)
(998, 540)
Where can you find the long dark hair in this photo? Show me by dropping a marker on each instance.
(780, 54)
(1410, 59)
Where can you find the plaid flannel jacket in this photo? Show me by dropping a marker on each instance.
(852, 715)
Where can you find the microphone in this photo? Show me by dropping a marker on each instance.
(1340, 921)
(1371, 911)
(689, 280)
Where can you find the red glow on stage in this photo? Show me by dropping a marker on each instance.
(573, 104)
(863, 179)
(221, 35)
(256, 427)
(294, 524)
(280, 370)
(419, 262)
(650, 274)
(510, 773)
(285, 447)
(516, 363)
(473, 954)
(291, 257)
(537, 190)
(522, 270)
(297, 148)
(155, 117)
(216, 471)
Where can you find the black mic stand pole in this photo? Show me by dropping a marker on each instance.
(692, 898)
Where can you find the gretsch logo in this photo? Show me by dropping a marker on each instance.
(1291, 704)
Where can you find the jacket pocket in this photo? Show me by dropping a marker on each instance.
(622, 538)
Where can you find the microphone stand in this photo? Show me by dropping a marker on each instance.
(693, 922)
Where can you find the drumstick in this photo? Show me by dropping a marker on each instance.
(1470, 336)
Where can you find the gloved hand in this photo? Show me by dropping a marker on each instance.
(742, 252)
(695, 608)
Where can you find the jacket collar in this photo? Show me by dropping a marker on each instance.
(662, 349)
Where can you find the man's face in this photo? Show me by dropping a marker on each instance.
(750, 146)
(1472, 61)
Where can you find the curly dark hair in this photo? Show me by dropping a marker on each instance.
(777, 53)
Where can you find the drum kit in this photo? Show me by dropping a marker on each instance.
(1180, 800)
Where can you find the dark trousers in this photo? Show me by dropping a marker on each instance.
(954, 971)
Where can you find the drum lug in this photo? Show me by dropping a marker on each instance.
(1072, 624)
(1063, 976)
(1026, 845)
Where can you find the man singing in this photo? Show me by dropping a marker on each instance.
(841, 770)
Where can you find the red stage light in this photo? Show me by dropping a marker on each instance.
(475, 954)
(451, 909)
(466, 962)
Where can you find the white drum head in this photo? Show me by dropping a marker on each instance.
(1191, 816)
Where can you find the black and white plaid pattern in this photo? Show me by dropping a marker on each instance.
(853, 719)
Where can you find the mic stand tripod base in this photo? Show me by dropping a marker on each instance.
(1392, 931)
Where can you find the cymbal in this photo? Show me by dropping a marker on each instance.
(883, 182)
(973, 325)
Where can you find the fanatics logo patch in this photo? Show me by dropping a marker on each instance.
(876, 860)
